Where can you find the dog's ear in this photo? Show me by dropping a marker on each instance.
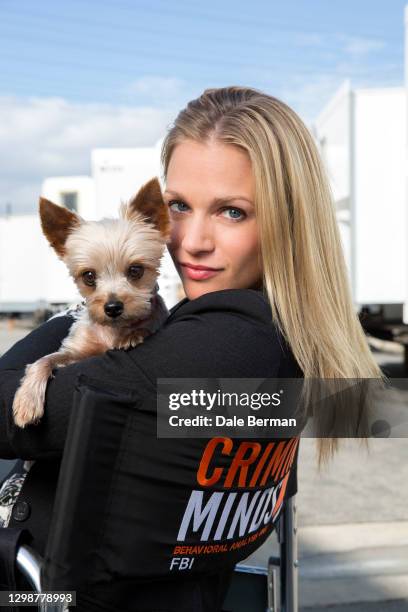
(149, 202)
(57, 223)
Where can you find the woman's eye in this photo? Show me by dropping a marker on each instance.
(235, 214)
(89, 278)
(135, 271)
(177, 206)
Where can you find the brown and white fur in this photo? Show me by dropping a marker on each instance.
(122, 256)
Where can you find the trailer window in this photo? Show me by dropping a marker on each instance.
(70, 200)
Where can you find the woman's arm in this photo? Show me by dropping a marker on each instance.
(46, 439)
(43, 340)
(222, 334)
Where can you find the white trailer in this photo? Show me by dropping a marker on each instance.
(31, 275)
(118, 174)
(362, 138)
(75, 192)
(361, 134)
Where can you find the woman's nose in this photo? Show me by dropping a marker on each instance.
(198, 236)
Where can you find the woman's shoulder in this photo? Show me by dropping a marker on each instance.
(228, 333)
(249, 303)
(238, 316)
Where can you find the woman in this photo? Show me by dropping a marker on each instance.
(255, 241)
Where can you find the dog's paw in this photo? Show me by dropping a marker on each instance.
(131, 341)
(135, 341)
(28, 406)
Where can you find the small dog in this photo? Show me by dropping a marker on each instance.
(115, 265)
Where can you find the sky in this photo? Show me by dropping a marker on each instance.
(80, 74)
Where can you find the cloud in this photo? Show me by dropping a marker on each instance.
(309, 39)
(42, 137)
(308, 95)
(156, 89)
(358, 47)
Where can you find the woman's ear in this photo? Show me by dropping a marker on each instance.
(149, 202)
(57, 223)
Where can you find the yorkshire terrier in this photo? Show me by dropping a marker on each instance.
(115, 264)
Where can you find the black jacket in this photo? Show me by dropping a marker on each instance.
(226, 334)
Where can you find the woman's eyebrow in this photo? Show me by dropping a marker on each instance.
(215, 201)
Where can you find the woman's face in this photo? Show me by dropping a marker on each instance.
(214, 236)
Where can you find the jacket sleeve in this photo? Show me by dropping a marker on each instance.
(43, 340)
(207, 339)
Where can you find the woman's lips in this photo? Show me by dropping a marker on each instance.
(198, 273)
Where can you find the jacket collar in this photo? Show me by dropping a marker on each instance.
(185, 301)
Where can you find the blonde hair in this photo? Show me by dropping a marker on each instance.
(305, 275)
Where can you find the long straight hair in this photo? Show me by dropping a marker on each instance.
(304, 271)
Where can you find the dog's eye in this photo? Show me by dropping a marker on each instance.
(135, 272)
(89, 278)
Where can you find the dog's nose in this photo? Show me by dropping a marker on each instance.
(113, 309)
